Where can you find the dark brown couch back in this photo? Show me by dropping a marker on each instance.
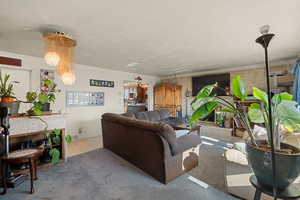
(139, 142)
(153, 116)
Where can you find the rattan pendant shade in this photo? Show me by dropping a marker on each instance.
(59, 50)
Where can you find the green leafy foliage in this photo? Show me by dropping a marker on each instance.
(203, 111)
(255, 114)
(282, 96)
(238, 88)
(55, 155)
(43, 98)
(57, 132)
(37, 108)
(31, 96)
(260, 95)
(38, 99)
(6, 88)
(204, 92)
(68, 138)
(289, 115)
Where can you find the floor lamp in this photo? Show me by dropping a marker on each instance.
(264, 40)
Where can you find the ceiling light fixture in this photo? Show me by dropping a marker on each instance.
(59, 52)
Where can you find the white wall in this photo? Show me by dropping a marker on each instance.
(86, 118)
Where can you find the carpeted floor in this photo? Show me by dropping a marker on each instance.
(101, 175)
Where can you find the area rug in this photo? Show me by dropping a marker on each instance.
(101, 175)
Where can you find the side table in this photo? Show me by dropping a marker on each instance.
(21, 156)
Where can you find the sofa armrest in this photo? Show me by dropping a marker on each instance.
(187, 142)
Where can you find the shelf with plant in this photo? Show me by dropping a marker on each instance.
(286, 117)
(41, 100)
(54, 144)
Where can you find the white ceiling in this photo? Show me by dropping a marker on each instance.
(156, 37)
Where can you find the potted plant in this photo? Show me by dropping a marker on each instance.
(52, 146)
(41, 101)
(286, 116)
(7, 95)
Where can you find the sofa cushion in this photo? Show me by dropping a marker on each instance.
(173, 121)
(168, 133)
(186, 142)
(141, 116)
(153, 116)
(129, 114)
(164, 113)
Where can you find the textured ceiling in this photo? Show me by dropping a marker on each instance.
(155, 37)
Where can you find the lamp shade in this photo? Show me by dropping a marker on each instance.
(52, 58)
(68, 78)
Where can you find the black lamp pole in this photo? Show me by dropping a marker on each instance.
(264, 40)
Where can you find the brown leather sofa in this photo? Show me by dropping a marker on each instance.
(150, 145)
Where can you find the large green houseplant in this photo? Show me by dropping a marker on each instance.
(286, 116)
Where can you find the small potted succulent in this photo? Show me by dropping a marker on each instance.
(7, 95)
(41, 101)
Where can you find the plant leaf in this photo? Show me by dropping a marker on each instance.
(289, 115)
(256, 115)
(31, 96)
(51, 97)
(226, 110)
(238, 88)
(43, 98)
(68, 138)
(260, 95)
(204, 92)
(277, 98)
(37, 111)
(57, 131)
(203, 111)
(55, 155)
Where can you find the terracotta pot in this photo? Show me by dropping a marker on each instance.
(8, 99)
(287, 165)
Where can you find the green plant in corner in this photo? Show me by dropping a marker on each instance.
(54, 139)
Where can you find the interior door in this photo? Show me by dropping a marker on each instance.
(159, 95)
(170, 95)
(21, 81)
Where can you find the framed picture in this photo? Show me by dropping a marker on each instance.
(46, 74)
(101, 83)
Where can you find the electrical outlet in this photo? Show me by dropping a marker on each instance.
(80, 131)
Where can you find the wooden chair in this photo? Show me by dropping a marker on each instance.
(21, 156)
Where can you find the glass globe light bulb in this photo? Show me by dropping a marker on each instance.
(68, 78)
(52, 58)
(264, 29)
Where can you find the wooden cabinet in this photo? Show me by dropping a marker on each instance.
(168, 96)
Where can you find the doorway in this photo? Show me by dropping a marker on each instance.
(135, 96)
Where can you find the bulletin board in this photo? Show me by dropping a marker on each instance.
(75, 98)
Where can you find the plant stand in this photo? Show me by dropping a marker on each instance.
(291, 192)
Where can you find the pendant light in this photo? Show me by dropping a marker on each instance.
(59, 49)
